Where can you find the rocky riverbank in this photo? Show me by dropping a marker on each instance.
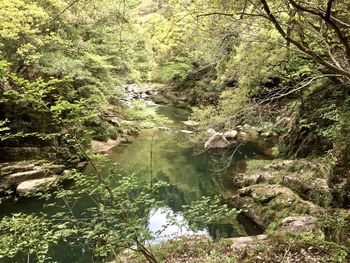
(30, 176)
(31, 168)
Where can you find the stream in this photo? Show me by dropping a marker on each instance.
(189, 176)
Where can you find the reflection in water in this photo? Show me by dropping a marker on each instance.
(165, 224)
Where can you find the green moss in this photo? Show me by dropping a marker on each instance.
(308, 178)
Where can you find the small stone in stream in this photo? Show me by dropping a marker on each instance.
(190, 123)
(242, 136)
(187, 131)
(230, 135)
(151, 104)
(143, 95)
(217, 141)
(164, 129)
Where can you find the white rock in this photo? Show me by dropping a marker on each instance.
(230, 135)
(187, 131)
(190, 123)
(143, 95)
(243, 136)
(34, 185)
(151, 104)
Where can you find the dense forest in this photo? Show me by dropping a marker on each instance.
(78, 76)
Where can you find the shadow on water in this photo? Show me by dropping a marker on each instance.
(189, 177)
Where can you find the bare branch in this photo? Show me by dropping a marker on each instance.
(229, 15)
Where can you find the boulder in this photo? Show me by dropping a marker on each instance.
(230, 135)
(298, 224)
(35, 185)
(242, 136)
(16, 178)
(217, 141)
(101, 147)
(241, 242)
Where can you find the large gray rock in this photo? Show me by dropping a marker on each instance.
(102, 147)
(16, 178)
(218, 140)
(298, 224)
(35, 185)
(241, 242)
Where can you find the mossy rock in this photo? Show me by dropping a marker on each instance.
(265, 203)
(306, 178)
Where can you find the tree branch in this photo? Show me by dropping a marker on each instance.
(329, 9)
(327, 18)
(306, 50)
(228, 14)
